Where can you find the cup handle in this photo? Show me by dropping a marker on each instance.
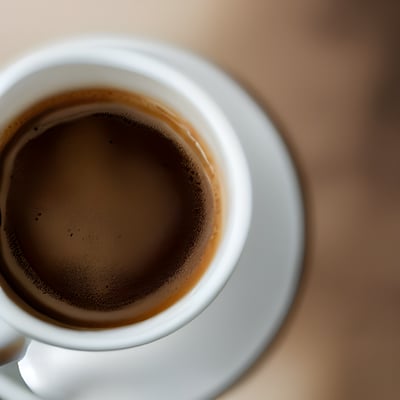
(12, 348)
(12, 344)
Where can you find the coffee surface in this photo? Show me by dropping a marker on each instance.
(109, 210)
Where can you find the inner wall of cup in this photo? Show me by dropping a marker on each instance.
(54, 79)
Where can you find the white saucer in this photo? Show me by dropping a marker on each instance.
(202, 359)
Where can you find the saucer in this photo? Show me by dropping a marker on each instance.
(202, 359)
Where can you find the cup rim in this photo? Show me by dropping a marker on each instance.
(230, 247)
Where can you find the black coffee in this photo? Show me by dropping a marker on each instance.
(110, 208)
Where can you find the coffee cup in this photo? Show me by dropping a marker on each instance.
(65, 69)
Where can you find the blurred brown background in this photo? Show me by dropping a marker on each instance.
(330, 72)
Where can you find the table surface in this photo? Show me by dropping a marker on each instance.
(329, 71)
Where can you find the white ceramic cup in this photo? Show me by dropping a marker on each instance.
(60, 68)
